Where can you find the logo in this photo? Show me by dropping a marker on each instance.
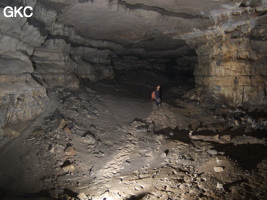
(18, 11)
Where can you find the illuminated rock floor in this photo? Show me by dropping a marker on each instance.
(105, 142)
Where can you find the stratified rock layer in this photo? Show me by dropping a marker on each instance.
(232, 62)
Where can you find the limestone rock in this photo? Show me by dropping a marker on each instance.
(51, 148)
(212, 152)
(227, 76)
(88, 139)
(37, 131)
(226, 138)
(15, 63)
(248, 140)
(163, 155)
(17, 28)
(70, 151)
(67, 130)
(47, 16)
(68, 168)
(21, 98)
(1, 133)
(62, 124)
(82, 196)
(54, 64)
(218, 169)
(236, 123)
(219, 186)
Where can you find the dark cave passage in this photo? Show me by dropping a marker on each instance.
(175, 80)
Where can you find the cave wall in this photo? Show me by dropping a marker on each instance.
(233, 62)
(21, 97)
(34, 58)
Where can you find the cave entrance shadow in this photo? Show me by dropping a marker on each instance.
(137, 197)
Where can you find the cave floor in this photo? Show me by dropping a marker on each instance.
(104, 141)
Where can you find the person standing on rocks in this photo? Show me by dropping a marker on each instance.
(157, 97)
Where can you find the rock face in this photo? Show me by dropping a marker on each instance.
(21, 98)
(232, 68)
(21, 95)
(232, 61)
(53, 63)
(92, 63)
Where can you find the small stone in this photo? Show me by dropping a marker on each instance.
(70, 151)
(236, 123)
(136, 188)
(226, 138)
(218, 169)
(68, 168)
(61, 125)
(218, 160)
(212, 152)
(249, 120)
(190, 132)
(37, 131)
(221, 118)
(163, 155)
(216, 137)
(263, 121)
(220, 186)
(60, 162)
(82, 196)
(51, 148)
(243, 121)
(67, 130)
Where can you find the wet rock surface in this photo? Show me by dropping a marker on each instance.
(103, 141)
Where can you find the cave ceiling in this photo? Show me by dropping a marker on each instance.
(141, 28)
(142, 24)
